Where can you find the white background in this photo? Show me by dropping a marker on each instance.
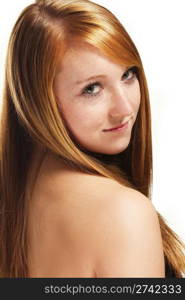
(157, 29)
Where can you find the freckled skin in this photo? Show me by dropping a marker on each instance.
(87, 116)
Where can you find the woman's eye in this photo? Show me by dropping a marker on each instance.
(129, 74)
(92, 89)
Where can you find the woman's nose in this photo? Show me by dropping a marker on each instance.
(120, 104)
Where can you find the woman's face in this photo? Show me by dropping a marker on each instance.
(95, 96)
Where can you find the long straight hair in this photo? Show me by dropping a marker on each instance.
(30, 116)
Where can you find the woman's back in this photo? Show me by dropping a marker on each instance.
(74, 222)
(60, 216)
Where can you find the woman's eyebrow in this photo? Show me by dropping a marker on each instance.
(93, 77)
(89, 78)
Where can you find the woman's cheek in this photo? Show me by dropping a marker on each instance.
(89, 115)
(76, 117)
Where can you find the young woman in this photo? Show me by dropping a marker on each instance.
(76, 153)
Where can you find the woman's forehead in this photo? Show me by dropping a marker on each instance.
(85, 57)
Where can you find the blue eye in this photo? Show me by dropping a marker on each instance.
(130, 73)
(92, 89)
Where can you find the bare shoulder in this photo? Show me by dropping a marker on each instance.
(90, 188)
(107, 197)
(129, 241)
(116, 227)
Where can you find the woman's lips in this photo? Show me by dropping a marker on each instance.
(118, 128)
